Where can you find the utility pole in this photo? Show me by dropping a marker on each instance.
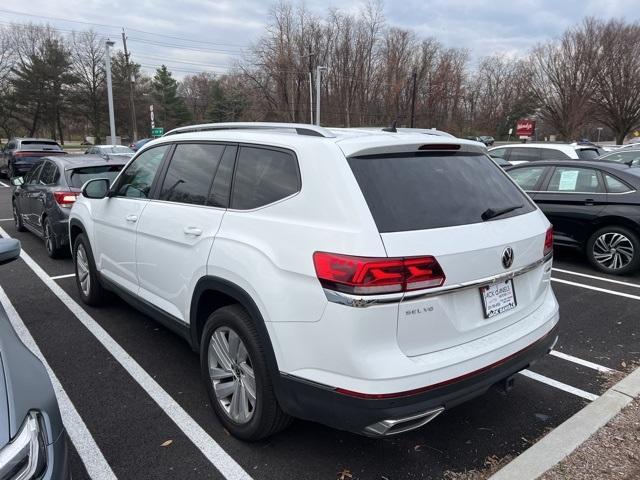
(413, 99)
(132, 105)
(112, 121)
(319, 71)
(310, 86)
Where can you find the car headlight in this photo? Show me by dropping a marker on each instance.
(25, 456)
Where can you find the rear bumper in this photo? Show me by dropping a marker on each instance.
(379, 417)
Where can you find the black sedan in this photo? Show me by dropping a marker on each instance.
(33, 443)
(593, 205)
(43, 198)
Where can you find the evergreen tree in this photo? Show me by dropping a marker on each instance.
(169, 107)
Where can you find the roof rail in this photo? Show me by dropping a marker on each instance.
(299, 128)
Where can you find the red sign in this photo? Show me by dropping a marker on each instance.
(525, 128)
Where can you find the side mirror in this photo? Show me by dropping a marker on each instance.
(9, 250)
(17, 181)
(96, 188)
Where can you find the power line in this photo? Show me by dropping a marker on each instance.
(183, 47)
(13, 12)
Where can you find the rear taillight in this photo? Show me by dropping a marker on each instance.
(65, 199)
(368, 276)
(548, 242)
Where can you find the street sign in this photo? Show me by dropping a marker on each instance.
(157, 132)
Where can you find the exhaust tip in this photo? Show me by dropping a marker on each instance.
(385, 428)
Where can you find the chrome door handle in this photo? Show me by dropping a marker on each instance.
(131, 218)
(192, 231)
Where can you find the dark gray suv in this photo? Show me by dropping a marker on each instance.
(32, 437)
(19, 155)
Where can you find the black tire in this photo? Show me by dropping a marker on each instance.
(631, 246)
(267, 416)
(50, 244)
(95, 293)
(17, 219)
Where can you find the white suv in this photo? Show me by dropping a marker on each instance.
(364, 280)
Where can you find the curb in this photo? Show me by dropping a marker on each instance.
(568, 436)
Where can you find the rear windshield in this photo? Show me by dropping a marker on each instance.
(587, 153)
(432, 190)
(39, 145)
(78, 176)
(116, 149)
(33, 159)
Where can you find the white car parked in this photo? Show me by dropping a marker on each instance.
(364, 280)
(530, 152)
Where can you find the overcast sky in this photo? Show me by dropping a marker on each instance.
(211, 34)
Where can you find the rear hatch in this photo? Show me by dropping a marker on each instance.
(462, 209)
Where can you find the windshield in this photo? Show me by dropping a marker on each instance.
(39, 145)
(630, 157)
(433, 190)
(116, 149)
(79, 176)
(587, 153)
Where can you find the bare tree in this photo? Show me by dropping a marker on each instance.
(563, 78)
(617, 92)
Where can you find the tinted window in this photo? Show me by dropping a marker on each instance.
(527, 178)
(40, 145)
(553, 154)
(263, 176)
(136, 180)
(614, 185)
(588, 154)
(219, 195)
(569, 179)
(499, 153)
(49, 174)
(524, 154)
(190, 173)
(423, 190)
(79, 176)
(34, 173)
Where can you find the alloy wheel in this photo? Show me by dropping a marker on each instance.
(231, 373)
(82, 270)
(613, 250)
(48, 238)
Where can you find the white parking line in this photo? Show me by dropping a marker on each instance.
(562, 386)
(4, 184)
(579, 361)
(597, 289)
(602, 279)
(6, 219)
(68, 275)
(226, 465)
(94, 462)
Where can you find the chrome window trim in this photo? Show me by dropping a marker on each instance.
(363, 301)
(582, 193)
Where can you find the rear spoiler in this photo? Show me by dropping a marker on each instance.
(357, 147)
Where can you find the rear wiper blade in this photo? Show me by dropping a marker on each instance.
(490, 213)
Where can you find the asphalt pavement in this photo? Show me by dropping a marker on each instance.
(138, 394)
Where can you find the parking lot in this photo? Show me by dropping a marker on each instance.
(135, 406)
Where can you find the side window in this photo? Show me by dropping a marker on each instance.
(524, 154)
(527, 178)
(34, 173)
(49, 174)
(615, 186)
(499, 153)
(263, 176)
(553, 154)
(221, 189)
(137, 179)
(570, 179)
(190, 173)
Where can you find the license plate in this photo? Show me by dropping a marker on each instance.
(498, 298)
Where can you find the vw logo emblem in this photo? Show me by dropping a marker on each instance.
(507, 257)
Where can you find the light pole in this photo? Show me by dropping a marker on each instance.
(599, 130)
(319, 71)
(112, 120)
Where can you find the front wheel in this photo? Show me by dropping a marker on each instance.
(235, 372)
(614, 250)
(87, 281)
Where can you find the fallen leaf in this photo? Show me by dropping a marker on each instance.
(344, 474)
(167, 443)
